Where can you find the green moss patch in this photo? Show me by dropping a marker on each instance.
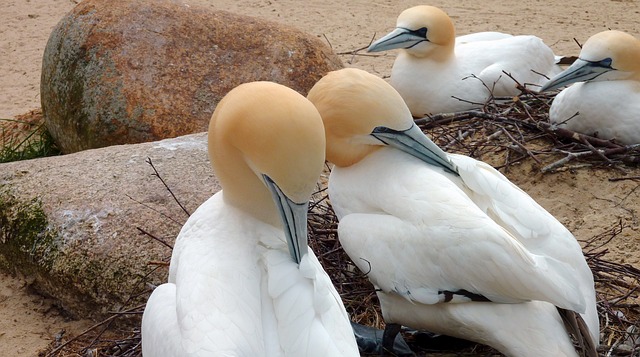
(26, 239)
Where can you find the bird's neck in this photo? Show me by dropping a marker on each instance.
(343, 153)
(243, 189)
(435, 53)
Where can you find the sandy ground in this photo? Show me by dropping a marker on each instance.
(584, 200)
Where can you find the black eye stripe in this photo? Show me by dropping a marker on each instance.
(422, 32)
(605, 63)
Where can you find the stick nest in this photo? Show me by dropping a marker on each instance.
(503, 132)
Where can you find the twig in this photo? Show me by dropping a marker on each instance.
(355, 52)
(105, 321)
(157, 174)
(599, 152)
(154, 238)
(328, 42)
(527, 151)
(570, 156)
(155, 210)
(613, 179)
(158, 263)
(575, 136)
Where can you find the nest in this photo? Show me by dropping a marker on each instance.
(504, 132)
(517, 128)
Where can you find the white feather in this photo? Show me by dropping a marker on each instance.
(607, 110)
(220, 287)
(416, 230)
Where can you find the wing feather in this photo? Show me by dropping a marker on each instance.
(423, 234)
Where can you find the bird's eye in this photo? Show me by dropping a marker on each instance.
(422, 32)
(606, 62)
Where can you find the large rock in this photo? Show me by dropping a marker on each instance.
(131, 71)
(74, 222)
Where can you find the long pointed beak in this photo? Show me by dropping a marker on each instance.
(398, 38)
(579, 71)
(294, 220)
(415, 143)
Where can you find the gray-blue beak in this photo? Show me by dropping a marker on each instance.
(398, 38)
(294, 220)
(415, 143)
(579, 71)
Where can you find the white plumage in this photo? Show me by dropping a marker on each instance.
(235, 288)
(434, 71)
(434, 231)
(606, 102)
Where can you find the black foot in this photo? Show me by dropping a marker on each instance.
(372, 340)
(391, 331)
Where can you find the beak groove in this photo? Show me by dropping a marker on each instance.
(579, 71)
(398, 38)
(415, 143)
(294, 220)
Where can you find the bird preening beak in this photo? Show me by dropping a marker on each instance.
(415, 143)
(294, 220)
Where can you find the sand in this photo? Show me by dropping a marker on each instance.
(584, 200)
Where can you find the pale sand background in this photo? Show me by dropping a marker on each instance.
(584, 201)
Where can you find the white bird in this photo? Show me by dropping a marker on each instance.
(606, 102)
(434, 71)
(451, 245)
(239, 283)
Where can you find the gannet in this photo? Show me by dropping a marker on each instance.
(607, 101)
(239, 283)
(434, 71)
(451, 245)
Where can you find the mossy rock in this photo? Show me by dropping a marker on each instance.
(73, 223)
(31, 246)
(27, 239)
